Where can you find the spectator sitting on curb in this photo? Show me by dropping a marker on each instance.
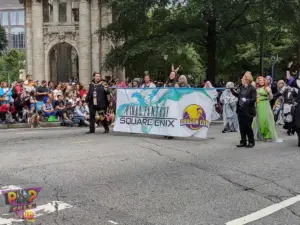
(60, 107)
(69, 119)
(80, 114)
(47, 108)
(7, 113)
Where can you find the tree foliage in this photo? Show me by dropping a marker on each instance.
(3, 40)
(209, 38)
(11, 64)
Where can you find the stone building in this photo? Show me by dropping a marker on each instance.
(12, 19)
(61, 41)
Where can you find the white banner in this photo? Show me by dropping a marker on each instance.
(181, 112)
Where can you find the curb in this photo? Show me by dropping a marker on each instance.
(26, 125)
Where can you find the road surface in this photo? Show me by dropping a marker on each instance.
(147, 180)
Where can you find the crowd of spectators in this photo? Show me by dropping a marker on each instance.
(32, 101)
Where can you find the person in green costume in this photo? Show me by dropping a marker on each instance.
(264, 124)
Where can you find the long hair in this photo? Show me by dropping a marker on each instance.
(258, 79)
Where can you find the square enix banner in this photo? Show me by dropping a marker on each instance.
(181, 112)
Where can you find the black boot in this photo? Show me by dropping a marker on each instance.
(105, 126)
(251, 144)
(242, 144)
(90, 132)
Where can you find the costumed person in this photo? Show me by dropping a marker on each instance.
(289, 97)
(264, 124)
(182, 81)
(246, 110)
(172, 81)
(272, 86)
(98, 102)
(229, 101)
(296, 117)
(279, 99)
(214, 95)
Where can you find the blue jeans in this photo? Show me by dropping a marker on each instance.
(48, 114)
(68, 123)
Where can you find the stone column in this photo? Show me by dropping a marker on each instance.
(28, 27)
(69, 11)
(121, 74)
(106, 19)
(55, 11)
(95, 23)
(85, 43)
(38, 43)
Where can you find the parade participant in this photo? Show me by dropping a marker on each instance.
(279, 100)
(246, 110)
(289, 95)
(182, 81)
(135, 83)
(98, 102)
(147, 82)
(172, 82)
(296, 118)
(229, 101)
(214, 95)
(264, 124)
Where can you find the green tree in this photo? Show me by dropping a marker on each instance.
(11, 64)
(210, 27)
(3, 40)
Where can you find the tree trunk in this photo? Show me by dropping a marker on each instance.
(211, 50)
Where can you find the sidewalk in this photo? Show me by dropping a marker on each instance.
(26, 125)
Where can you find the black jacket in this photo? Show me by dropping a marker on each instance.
(246, 108)
(102, 100)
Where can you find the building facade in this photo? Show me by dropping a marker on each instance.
(12, 18)
(61, 42)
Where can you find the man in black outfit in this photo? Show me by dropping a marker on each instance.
(97, 101)
(246, 110)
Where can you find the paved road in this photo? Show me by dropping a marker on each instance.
(147, 180)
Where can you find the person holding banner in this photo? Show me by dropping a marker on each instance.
(246, 110)
(97, 101)
(147, 82)
(172, 81)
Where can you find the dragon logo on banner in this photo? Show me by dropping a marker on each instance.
(194, 117)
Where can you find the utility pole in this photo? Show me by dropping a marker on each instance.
(262, 31)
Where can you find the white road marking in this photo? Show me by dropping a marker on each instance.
(113, 222)
(27, 133)
(79, 142)
(265, 212)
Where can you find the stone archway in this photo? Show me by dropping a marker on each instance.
(61, 61)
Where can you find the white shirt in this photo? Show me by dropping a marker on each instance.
(151, 85)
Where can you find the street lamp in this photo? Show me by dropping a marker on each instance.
(274, 60)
